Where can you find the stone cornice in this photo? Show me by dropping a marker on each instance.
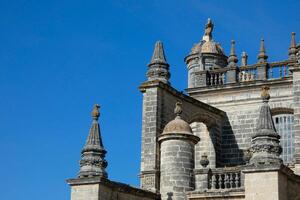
(179, 136)
(236, 86)
(181, 95)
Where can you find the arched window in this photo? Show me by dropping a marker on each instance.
(284, 126)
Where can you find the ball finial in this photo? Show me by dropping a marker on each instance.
(265, 93)
(96, 112)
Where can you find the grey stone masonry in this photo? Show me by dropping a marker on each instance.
(158, 104)
(241, 103)
(296, 90)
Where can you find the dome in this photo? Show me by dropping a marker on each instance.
(208, 47)
(177, 126)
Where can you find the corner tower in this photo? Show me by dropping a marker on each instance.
(204, 56)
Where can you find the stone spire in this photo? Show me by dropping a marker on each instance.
(265, 142)
(93, 161)
(158, 68)
(244, 61)
(292, 49)
(262, 56)
(232, 59)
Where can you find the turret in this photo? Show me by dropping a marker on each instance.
(176, 158)
(158, 68)
(204, 56)
(292, 49)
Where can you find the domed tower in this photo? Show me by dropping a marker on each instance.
(177, 158)
(204, 56)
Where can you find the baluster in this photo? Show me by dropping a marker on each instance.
(214, 181)
(245, 76)
(237, 179)
(284, 71)
(228, 180)
(223, 176)
(220, 79)
(280, 71)
(241, 76)
(231, 180)
(214, 79)
(287, 71)
(249, 76)
(217, 78)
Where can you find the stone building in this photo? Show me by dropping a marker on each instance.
(235, 134)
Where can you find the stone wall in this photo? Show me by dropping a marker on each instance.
(158, 109)
(102, 189)
(271, 183)
(241, 104)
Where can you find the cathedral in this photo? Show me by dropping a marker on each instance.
(234, 134)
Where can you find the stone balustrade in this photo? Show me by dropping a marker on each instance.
(219, 179)
(225, 179)
(216, 78)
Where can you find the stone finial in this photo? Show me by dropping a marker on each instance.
(265, 146)
(232, 59)
(244, 59)
(265, 93)
(262, 56)
(178, 108)
(158, 68)
(209, 27)
(293, 49)
(95, 112)
(93, 163)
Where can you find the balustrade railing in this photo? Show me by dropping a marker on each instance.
(225, 179)
(216, 78)
(247, 74)
(278, 71)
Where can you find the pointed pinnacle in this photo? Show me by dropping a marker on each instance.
(232, 59)
(262, 56)
(232, 49)
(158, 56)
(293, 40)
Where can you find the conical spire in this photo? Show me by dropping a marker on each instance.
(292, 49)
(265, 142)
(158, 66)
(232, 59)
(158, 56)
(244, 59)
(93, 161)
(262, 56)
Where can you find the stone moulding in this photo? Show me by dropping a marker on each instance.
(179, 136)
(181, 96)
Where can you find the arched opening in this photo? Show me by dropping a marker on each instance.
(206, 145)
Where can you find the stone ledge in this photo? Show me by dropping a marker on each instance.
(116, 186)
(220, 193)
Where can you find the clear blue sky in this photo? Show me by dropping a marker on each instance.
(59, 57)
